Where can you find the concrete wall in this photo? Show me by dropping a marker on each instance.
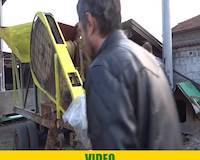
(7, 102)
(186, 59)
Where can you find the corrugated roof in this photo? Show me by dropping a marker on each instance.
(190, 24)
(141, 35)
(192, 93)
(189, 88)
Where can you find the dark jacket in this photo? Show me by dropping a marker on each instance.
(129, 102)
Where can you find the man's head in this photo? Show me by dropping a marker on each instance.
(148, 47)
(97, 19)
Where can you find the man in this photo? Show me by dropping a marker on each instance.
(129, 103)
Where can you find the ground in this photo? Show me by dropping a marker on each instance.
(191, 141)
(7, 134)
(8, 130)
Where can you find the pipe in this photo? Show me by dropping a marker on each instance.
(167, 41)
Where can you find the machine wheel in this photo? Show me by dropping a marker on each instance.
(33, 135)
(21, 138)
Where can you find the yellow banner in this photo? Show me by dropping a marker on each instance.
(99, 155)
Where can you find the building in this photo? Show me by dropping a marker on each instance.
(140, 35)
(186, 50)
(187, 99)
(186, 58)
(2, 74)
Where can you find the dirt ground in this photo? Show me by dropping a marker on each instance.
(7, 132)
(191, 142)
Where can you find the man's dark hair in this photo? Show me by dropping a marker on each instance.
(106, 12)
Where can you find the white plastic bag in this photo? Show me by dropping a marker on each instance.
(76, 117)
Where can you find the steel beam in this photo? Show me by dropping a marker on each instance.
(48, 123)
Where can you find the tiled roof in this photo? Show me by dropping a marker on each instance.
(187, 25)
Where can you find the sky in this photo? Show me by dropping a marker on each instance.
(148, 13)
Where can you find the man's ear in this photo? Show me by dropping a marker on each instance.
(92, 25)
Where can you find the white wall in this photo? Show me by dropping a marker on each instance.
(186, 60)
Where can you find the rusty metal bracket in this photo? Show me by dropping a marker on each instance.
(48, 123)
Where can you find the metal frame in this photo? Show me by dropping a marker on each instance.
(61, 56)
(46, 122)
(16, 82)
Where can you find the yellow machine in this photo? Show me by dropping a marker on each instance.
(42, 45)
(60, 57)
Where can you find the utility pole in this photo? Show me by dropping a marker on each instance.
(2, 74)
(167, 41)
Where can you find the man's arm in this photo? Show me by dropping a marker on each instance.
(110, 112)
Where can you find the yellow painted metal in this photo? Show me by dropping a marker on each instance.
(18, 39)
(61, 56)
(68, 67)
(64, 58)
(44, 91)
